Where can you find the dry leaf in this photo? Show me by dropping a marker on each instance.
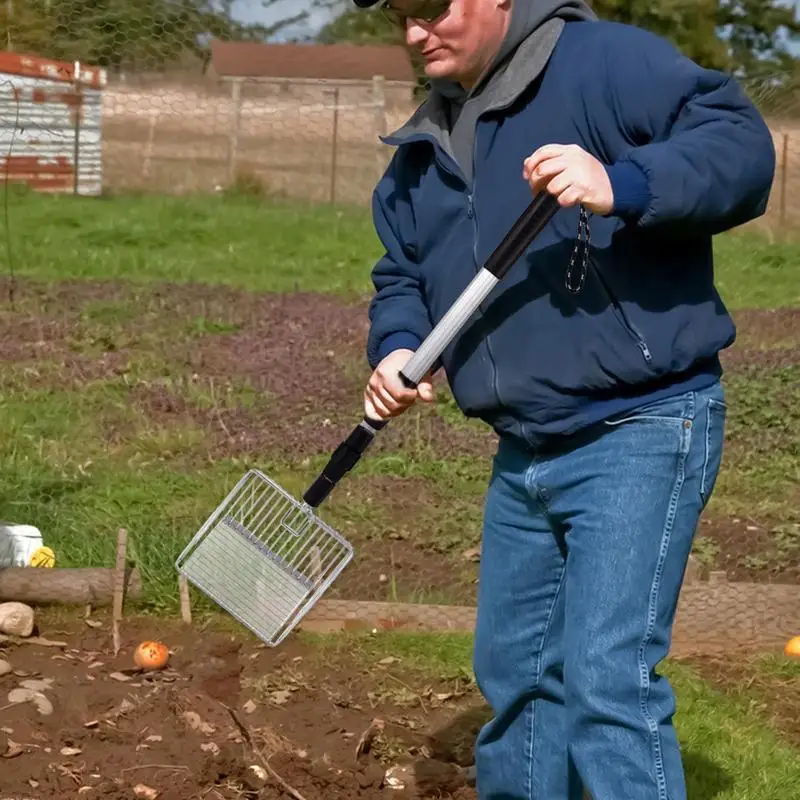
(145, 792)
(43, 705)
(249, 707)
(94, 623)
(259, 772)
(210, 747)
(37, 686)
(119, 676)
(33, 784)
(195, 722)
(70, 751)
(280, 697)
(385, 662)
(368, 737)
(13, 750)
(154, 738)
(91, 724)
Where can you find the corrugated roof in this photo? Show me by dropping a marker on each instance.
(29, 65)
(317, 61)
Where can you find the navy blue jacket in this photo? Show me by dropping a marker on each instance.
(688, 156)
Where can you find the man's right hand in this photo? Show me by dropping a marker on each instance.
(386, 396)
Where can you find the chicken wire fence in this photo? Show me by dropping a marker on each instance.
(165, 120)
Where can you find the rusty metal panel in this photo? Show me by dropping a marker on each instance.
(51, 124)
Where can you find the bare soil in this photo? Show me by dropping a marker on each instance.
(190, 354)
(226, 719)
(775, 692)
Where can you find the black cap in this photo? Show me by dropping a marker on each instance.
(366, 3)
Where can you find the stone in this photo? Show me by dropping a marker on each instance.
(16, 619)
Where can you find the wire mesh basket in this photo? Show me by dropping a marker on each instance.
(264, 557)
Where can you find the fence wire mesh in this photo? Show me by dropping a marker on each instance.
(172, 123)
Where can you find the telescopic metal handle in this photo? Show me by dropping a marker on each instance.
(527, 227)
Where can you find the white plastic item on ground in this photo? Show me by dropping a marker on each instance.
(18, 543)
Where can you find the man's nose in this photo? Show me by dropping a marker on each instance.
(415, 33)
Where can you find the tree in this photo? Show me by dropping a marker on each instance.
(754, 31)
(361, 27)
(741, 36)
(128, 34)
(691, 25)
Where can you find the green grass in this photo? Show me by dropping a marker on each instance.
(263, 245)
(236, 241)
(64, 472)
(729, 751)
(752, 272)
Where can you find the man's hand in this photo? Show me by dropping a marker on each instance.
(572, 175)
(386, 396)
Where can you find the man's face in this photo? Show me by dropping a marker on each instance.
(457, 40)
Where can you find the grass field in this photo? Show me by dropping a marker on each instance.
(156, 348)
(159, 346)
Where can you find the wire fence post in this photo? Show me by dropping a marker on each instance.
(783, 226)
(334, 143)
(379, 99)
(78, 100)
(233, 133)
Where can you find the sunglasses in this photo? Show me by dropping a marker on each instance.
(422, 10)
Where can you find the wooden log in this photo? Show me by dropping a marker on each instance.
(61, 586)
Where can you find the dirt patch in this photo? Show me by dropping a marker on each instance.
(204, 727)
(400, 552)
(766, 338)
(773, 688)
(750, 550)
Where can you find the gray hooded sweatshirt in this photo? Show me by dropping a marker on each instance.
(451, 113)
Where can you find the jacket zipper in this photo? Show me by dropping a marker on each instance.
(622, 317)
(473, 214)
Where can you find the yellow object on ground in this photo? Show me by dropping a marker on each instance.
(793, 647)
(43, 557)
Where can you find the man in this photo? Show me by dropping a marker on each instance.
(595, 360)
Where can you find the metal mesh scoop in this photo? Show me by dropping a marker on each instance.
(264, 557)
(267, 558)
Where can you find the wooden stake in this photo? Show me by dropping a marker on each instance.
(186, 605)
(119, 585)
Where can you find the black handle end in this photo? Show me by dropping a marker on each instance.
(343, 459)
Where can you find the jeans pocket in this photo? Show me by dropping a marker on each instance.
(670, 409)
(716, 414)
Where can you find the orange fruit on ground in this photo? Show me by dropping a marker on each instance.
(793, 647)
(151, 655)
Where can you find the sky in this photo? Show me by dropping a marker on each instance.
(254, 11)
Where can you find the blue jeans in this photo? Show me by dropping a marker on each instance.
(584, 553)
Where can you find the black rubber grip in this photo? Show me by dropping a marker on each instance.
(342, 460)
(529, 225)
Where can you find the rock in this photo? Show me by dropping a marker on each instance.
(16, 619)
(144, 792)
(5, 667)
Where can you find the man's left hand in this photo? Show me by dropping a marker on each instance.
(572, 175)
